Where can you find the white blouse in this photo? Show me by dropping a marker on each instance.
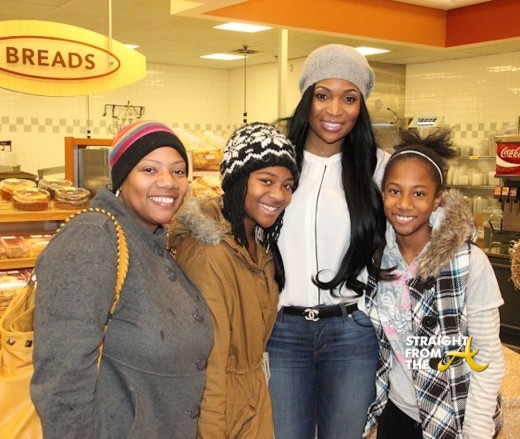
(316, 232)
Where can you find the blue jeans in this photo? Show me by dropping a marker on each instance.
(322, 375)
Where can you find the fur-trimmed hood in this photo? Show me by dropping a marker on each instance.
(452, 225)
(202, 217)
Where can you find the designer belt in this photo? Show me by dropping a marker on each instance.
(319, 312)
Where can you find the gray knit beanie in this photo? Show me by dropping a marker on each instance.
(255, 146)
(339, 62)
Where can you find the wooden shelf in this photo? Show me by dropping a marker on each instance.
(468, 187)
(33, 220)
(15, 264)
(10, 215)
(474, 157)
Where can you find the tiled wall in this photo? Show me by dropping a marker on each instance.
(475, 95)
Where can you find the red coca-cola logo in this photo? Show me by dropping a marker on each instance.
(509, 152)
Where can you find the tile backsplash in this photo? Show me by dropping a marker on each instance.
(476, 96)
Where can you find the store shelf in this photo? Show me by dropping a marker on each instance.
(475, 157)
(20, 223)
(14, 264)
(10, 215)
(508, 177)
(468, 187)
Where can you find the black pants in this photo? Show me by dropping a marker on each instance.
(394, 424)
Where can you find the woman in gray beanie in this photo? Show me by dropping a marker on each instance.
(323, 349)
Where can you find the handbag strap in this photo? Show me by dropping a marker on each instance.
(122, 254)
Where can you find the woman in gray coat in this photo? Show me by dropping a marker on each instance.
(155, 352)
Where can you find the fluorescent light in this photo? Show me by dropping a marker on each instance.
(242, 27)
(370, 51)
(132, 46)
(223, 56)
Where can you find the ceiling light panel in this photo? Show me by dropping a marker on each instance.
(242, 27)
(222, 56)
(367, 51)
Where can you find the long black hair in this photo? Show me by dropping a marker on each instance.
(233, 202)
(365, 205)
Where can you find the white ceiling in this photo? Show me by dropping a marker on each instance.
(181, 40)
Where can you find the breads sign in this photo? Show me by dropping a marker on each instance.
(37, 57)
(54, 59)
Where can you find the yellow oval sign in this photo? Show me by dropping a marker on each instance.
(55, 59)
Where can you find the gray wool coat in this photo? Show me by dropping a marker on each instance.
(155, 352)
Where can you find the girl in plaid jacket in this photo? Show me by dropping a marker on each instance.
(434, 307)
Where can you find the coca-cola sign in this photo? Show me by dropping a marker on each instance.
(508, 155)
(509, 152)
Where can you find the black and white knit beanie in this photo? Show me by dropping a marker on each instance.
(255, 146)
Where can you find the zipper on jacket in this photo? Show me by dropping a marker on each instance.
(316, 228)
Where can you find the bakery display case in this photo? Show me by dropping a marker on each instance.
(24, 233)
(23, 236)
(30, 213)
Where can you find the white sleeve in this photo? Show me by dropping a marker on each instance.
(482, 300)
(484, 386)
(483, 291)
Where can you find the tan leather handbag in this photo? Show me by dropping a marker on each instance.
(18, 417)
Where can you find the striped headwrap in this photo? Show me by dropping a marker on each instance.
(137, 140)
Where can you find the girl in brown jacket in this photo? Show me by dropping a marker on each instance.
(227, 246)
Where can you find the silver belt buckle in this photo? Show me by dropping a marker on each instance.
(312, 314)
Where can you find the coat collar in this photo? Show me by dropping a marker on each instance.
(202, 217)
(202, 220)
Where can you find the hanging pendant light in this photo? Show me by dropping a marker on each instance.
(244, 49)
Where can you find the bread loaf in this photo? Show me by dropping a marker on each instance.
(31, 199)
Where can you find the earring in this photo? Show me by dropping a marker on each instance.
(118, 191)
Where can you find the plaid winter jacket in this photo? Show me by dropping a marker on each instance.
(438, 310)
